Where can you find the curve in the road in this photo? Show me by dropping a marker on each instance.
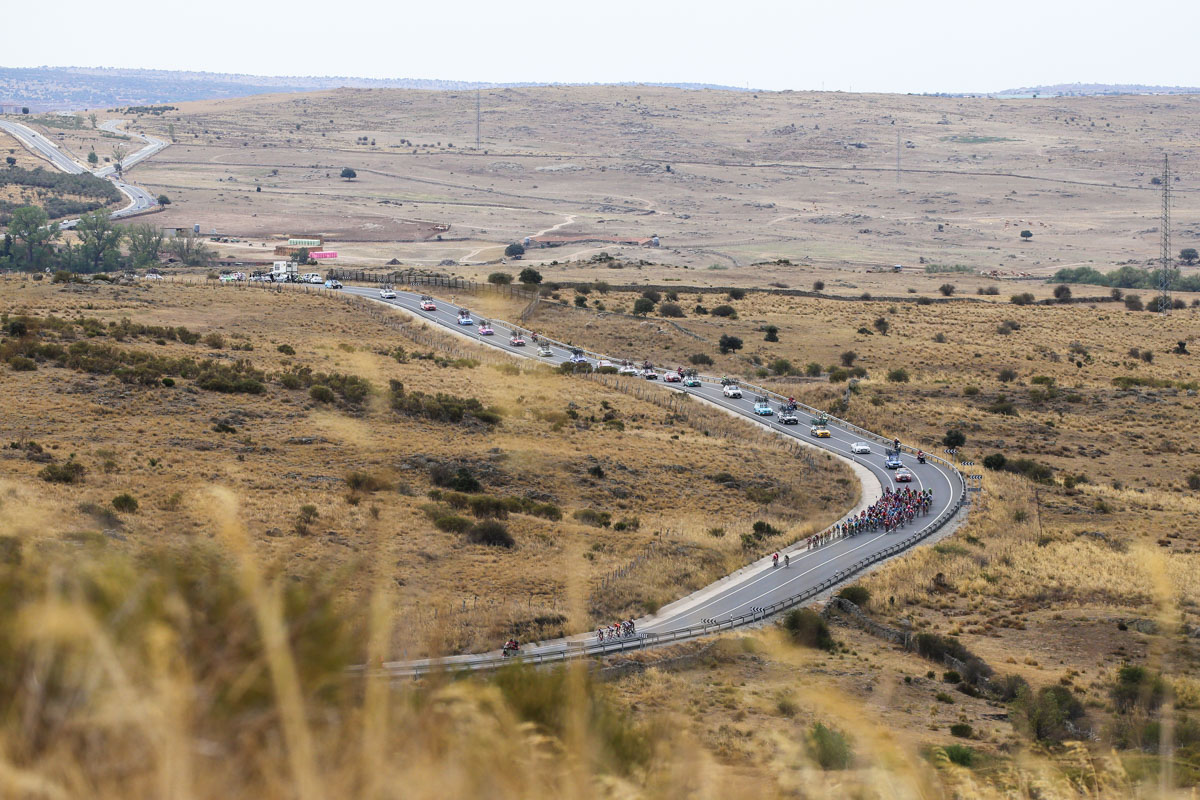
(758, 590)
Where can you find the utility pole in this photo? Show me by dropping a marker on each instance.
(897, 156)
(477, 120)
(1164, 281)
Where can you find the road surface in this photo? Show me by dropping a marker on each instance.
(750, 593)
(139, 199)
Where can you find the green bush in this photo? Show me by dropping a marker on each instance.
(588, 516)
(806, 628)
(286, 349)
(857, 594)
(899, 375)
(1023, 299)
(125, 503)
(724, 311)
(959, 754)
(701, 360)
(452, 523)
(1044, 716)
(962, 730)
(22, 364)
(954, 437)
(995, 461)
(322, 394)
(830, 748)
(491, 533)
(951, 676)
(643, 306)
(70, 472)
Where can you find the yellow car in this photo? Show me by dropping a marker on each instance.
(819, 431)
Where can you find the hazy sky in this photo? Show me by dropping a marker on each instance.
(864, 45)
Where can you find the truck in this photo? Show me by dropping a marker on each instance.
(283, 272)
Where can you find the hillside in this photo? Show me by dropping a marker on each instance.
(75, 88)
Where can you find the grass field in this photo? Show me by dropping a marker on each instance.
(808, 177)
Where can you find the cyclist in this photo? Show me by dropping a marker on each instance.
(775, 560)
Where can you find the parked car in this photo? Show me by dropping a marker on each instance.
(860, 448)
(312, 277)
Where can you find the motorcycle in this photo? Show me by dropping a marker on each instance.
(920, 458)
(510, 648)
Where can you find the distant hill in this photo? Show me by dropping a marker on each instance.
(64, 88)
(1085, 89)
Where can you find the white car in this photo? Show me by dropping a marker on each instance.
(153, 276)
(312, 277)
(577, 357)
(627, 369)
(732, 390)
(860, 448)
(333, 284)
(387, 294)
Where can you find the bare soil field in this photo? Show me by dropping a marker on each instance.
(726, 180)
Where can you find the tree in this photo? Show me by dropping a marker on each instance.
(529, 276)
(514, 250)
(848, 358)
(93, 159)
(145, 244)
(163, 200)
(499, 279)
(772, 332)
(118, 155)
(92, 118)
(954, 438)
(728, 343)
(349, 174)
(302, 256)
(946, 289)
(24, 109)
(31, 226)
(643, 306)
(99, 238)
(1189, 255)
(818, 286)
(1027, 235)
(882, 325)
(191, 250)
(1062, 293)
(12, 162)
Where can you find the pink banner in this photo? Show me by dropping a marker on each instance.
(324, 254)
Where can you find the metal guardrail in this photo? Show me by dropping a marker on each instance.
(582, 648)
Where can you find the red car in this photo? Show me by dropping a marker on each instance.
(428, 305)
(672, 377)
(903, 476)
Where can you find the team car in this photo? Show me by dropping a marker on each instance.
(903, 475)
(387, 294)
(464, 317)
(672, 377)
(860, 448)
(819, 432)
(485, 329)
(649, 374)
(627, 369)
(516, 340)
(577, 356)
(690, 379)
(762, 408)
(544, 350)
(788, 418)
(892, 460)
(732, 390)
(427, 304)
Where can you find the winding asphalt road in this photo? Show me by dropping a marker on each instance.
(139, 199)
(752, 588)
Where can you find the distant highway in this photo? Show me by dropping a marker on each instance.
(139, 199)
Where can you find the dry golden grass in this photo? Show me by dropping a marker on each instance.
(160, 445)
